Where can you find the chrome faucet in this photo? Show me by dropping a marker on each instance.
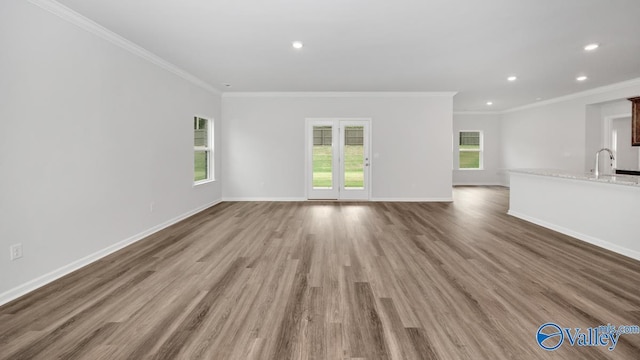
(596, 171)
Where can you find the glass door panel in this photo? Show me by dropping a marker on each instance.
(322, 157)
(354, 157)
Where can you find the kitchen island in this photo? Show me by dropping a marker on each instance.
(602, 210)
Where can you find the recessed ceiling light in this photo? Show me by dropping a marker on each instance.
(489, 103)
(581, 78)
(512, 78)
(591, 47)
(297, 44)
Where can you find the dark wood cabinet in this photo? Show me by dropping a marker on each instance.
(635, 121)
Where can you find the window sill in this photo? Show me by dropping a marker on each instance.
(203, 182)
(470, 169)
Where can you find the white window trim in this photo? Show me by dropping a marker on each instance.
(481, 151)
(209, 149)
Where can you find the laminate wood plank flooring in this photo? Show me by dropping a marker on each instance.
(334, 280)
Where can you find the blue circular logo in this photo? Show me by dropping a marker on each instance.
(549, 336)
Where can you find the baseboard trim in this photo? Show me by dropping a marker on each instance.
(477, 184)
(38, 282)
(282, 199)
(444, 199)
(294, 199)
(580, 236)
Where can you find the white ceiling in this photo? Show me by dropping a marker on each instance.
(469, 46)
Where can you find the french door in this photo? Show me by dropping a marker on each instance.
(338, 165)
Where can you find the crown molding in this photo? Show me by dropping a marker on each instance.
(477, 112)
(578, 95)
(339, 94)
(91, 26)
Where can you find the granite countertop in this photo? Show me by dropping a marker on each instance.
(628, 180)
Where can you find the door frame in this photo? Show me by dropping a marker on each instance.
(337, 165)
(607, 134)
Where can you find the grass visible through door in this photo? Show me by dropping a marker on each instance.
(354, 170)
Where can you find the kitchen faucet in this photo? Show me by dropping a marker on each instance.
(596, 171)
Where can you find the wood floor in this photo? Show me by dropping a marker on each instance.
(329, 280)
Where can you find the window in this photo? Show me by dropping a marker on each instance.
(470, 146)
(202, 150)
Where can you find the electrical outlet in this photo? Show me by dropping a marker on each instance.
(16, 251)
(152, 206)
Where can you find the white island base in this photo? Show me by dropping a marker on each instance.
(603, 211)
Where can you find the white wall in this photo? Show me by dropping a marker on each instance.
(627, 156)
(90, 136)
(561, 133)
(545, 137)
(492, 171)
(264, 144)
